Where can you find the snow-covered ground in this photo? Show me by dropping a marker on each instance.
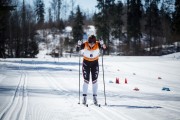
(47, 89)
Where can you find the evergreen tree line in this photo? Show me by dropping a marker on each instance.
(19, 23)
(158, 20)
(18, 26)
(131, 21)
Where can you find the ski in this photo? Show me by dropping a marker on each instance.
(98, 105)
(85, 105)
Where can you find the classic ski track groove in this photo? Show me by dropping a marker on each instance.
(55, 86)
(58, 88)
(3, 78)
(98, 110)
(16, 109)
(118, 114)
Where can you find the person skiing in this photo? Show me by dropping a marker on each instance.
(91, 51)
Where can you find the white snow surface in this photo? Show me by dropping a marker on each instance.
(47, 88)
(68, 29)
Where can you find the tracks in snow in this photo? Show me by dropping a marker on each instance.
(103, 113)
(108, 113)
(17, 106)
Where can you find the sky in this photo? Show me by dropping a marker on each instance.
(85, 5)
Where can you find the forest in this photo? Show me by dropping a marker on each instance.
(139, 27)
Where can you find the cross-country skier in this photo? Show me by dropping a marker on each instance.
(91, 52)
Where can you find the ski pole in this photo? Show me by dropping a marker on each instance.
(103, 77)
(79, 75)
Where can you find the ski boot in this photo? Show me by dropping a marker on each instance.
(95, 99)
(84, 99)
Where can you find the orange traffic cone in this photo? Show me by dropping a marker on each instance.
(117, 80)
(125, 81)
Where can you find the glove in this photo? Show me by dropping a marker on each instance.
(79, 42)
(101, 42)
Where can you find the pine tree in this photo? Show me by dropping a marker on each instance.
(165, 14)
(128, 27)
(133, 23)
(176, 20)
(60, 25)
(40, 11)
(102, 20)
(78, 26)
(50, 16)
(24, 37)
(71, 18)
(5, 8)
(33, 48)
(153, 25)
(59, 9)
(117, 22)
(16, 33)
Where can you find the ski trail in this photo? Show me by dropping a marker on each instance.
(2, 78)
(166, 106)
(16, 109)
(116, 113)
(100, 114)
(54, 84)
(154, 106)
(65, 92)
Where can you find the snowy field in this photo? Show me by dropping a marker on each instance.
(47, 89)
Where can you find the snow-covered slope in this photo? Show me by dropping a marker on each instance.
(47, 89)
(174, 55)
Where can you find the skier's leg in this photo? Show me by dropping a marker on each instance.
(95, 72)
(85, 88)
(95, 87)
(84, 99)
(86, 72)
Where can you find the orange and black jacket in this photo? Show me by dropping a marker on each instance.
(90, 54)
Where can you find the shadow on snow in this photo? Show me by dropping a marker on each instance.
(37, 65)
(14, 67)
(41, 92)
(32, 62)
(135, 107)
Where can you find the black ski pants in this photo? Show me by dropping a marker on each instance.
(90, 67)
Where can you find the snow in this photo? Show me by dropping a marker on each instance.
(174, 55)
(91, 30)
(46, 88)
(68, 29)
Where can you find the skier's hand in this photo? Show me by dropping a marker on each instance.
(101, 42)
(79, 42)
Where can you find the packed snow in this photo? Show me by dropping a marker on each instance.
(47, 88)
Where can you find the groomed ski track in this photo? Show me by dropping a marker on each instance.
(43, 93)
